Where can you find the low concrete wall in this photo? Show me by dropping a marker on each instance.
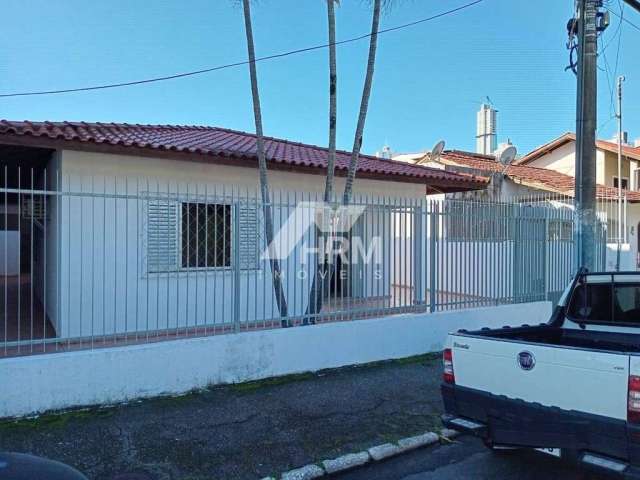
(105, 376)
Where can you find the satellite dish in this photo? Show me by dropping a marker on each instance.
(434, 156)
(436, 151)
(505, 155)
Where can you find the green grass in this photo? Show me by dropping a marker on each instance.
(54, 420)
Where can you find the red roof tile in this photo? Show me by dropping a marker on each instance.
(212, 142)
(542, 178)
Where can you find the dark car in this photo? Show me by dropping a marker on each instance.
(20, 466)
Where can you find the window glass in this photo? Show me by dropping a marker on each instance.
(591, 302)
(601, 303)
(627, 304)
(625, 183)
(206, 235)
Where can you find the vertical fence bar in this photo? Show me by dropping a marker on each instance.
(93, 256)
(433, 251)
(146, 274)
(115, 257)
(6, 259)
(19, 303)
(235, 236)
(207, 264)
(45, 293)
(32, 273)
(188, 267)
(58, 251)
(138, 245)
(104, 256)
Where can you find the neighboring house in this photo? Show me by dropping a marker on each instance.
(559, 155)
(157, 223)
(547, 173)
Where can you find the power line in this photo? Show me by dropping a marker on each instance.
(237, 64)
(615, 34)
(626, 20)
(615, 70)
(607, 73)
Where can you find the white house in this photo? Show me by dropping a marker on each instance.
(116, 231)
(547, 173)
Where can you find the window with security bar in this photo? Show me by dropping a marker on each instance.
(468, 221)
(200, 235)
(206, 235)
(561, 230)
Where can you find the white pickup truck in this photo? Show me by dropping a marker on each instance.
(569, 387)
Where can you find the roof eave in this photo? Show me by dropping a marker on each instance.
(231, 159)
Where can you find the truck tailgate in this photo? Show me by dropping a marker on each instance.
(583, 380)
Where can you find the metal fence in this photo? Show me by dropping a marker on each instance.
(97, 262)
(614, 217)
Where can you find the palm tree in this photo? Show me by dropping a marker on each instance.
(320, 280)
(262, 165)
(315, 297)
(364, 104)
(333, 100)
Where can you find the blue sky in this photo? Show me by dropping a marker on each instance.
(429, 79)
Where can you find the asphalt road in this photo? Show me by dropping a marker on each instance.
(466, 458)
(240, 432)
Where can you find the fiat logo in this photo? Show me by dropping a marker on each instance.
(526, 360)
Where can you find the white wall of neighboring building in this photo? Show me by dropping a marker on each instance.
(561, 160)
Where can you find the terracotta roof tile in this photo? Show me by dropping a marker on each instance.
(542, 178)
(221, 142)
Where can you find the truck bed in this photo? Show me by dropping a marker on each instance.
(563, 337)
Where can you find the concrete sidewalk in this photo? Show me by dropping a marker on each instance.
(245, 431)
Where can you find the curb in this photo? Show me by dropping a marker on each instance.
(373, 454)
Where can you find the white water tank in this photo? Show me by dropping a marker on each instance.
(486, 130)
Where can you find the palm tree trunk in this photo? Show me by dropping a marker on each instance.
(364, 105)
(320, 281)
(262, 165)
(333, 101)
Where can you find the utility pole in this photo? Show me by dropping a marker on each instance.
(586, 111)
(619, 116)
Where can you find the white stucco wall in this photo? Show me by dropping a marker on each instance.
(104, 286)
(101, 165)
(106, 376)
(562, 160)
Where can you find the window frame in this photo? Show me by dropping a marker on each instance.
(251, 264)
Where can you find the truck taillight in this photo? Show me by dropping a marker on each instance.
(633, 405)
(447, 361)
